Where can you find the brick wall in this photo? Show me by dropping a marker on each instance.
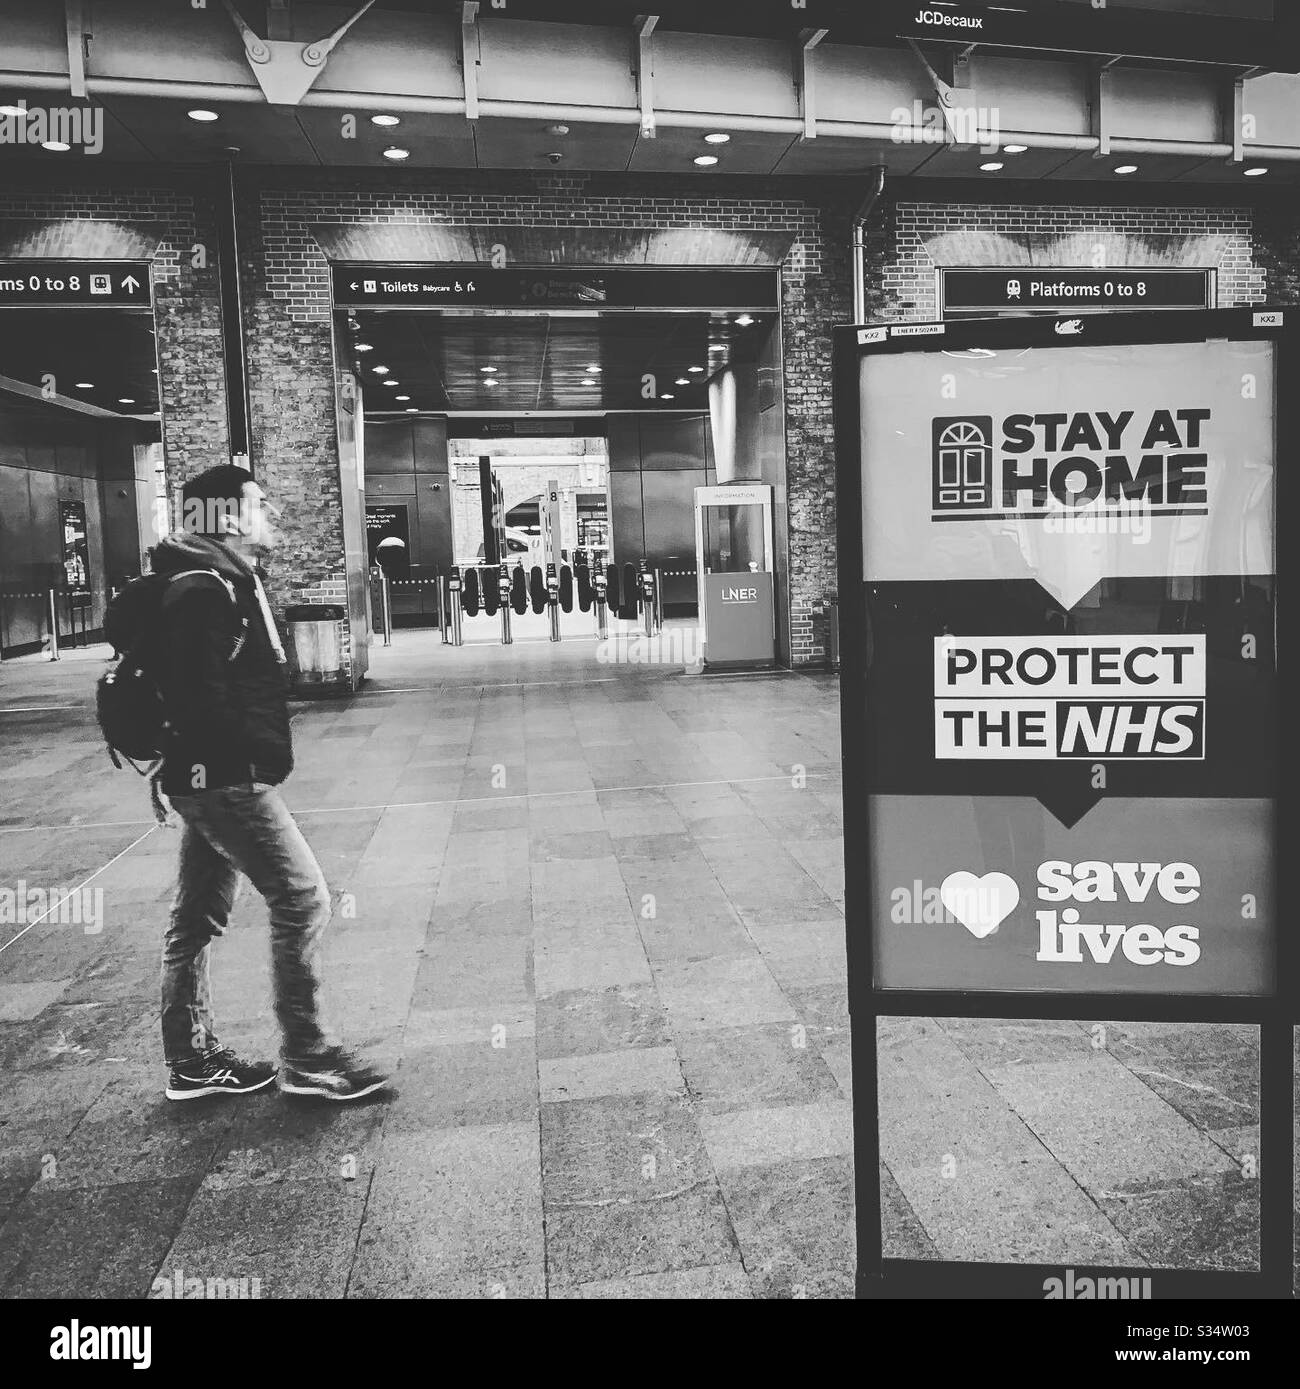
(288, 319)
(133, 213)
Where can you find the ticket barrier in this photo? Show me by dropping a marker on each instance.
(468, 592)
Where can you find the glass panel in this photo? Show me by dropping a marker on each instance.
(733, 539)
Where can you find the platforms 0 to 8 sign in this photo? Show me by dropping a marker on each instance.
(34, 284)
(1071, 697)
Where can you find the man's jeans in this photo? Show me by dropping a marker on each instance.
(228, 831)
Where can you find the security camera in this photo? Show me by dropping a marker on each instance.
(554, 157)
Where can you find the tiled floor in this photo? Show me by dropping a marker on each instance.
(591, 915)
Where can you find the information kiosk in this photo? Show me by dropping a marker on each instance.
(733, 565)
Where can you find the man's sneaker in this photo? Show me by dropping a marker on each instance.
(333, 1075)
(218, 1073)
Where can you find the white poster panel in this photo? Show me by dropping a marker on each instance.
(1069, 464)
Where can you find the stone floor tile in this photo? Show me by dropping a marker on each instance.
(721, 992)
(794, 1223)
(636, 1070)
(105, 1240)
(753, 1067)
(711, 1282)
(580, 1022)
(296, 1238)
(753, 1137)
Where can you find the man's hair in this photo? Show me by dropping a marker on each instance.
(212, 495)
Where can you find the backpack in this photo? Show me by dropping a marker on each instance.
(128, 699)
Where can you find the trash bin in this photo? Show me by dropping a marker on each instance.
(314, 631)
(831, 607)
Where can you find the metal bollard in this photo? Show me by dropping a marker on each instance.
(647, 600)
(659, 601)
(503, 602)
(54, 625)
(388, 610)
(602, 610)
(444, 615)
(553, 600)
(454, 587)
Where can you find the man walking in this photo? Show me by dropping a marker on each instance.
(220, 667)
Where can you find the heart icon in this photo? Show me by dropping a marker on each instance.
(980, 904)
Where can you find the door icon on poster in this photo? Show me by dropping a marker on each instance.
(963, 463)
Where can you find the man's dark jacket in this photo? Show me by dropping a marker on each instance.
(224, 686)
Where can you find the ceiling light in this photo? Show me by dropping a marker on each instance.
(682, 381)
(412, 409)
(557, 129)
(396, 152)
(1255, 171)
(588, 380)
(1126, 168)
(491, 381)
(1014, 149)
(11, 110)
(401, 397)
(487, 369)
(716, 138)
(380, 371)
(85, 385)
(668, 395)
(745, 320)
(991, 166)
(201, 115)
(385, 120)
(125, 400)
(694, 368)
(704, 160)
(59, 146)
(593, 368)
(392, 381)
(364, 347)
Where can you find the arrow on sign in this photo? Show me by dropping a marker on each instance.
(130, 284)
(353, 285)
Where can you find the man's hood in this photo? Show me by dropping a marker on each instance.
(180, 551)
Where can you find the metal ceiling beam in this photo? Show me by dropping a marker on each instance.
(470, 56)
(947, 94)
(286, 70)
(75, 23)
(1099, 105)
(804, 80)
(1235, 112)
(623, 115)
(643, 70)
